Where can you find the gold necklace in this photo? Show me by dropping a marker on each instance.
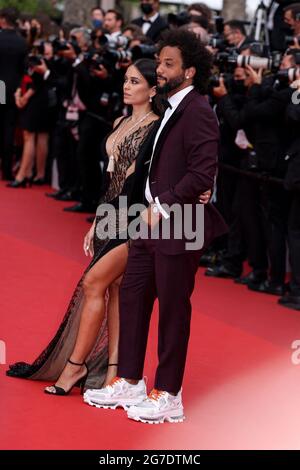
(112, 158)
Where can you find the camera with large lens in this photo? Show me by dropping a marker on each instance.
(33, 60)
(231, 60)
(143, 51)
(62, 45)
(119, 42)
(214, 80)
(218, 42)
(113, 56)
(93, 59)
(288, 75)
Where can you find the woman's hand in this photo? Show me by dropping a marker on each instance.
(88, 245)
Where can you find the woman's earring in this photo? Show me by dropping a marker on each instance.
(150, 99)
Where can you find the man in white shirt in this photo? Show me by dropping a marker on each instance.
(113, 22)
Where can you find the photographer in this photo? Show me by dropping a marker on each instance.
(292, 183)
(246, 235)
(292, 18)
(264, 113)
(70, 112)
(13, 50)
(95, 88)
(152, 23)
(235, 34)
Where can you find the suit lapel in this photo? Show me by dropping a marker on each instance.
(154, 28)
(170, 123)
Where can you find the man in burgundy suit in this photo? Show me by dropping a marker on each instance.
(183, 166)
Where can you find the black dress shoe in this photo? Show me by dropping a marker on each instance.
(252, 278)
(80, 208)
(54, 195)
(290, 301)
(267, 287)
(221, 271)
(39, 181)
(68, 196)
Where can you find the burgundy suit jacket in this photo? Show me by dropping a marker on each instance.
(184, 166)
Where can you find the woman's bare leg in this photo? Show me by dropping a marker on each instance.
(113, 329)
(27, 159)
(41, 154)
(97, 280)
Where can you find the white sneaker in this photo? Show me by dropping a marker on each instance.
(118, 393)
(157, 408)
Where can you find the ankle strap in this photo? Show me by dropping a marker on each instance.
(76, 363)
(112, 365)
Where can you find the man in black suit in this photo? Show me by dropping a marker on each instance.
(13, 50)
(235, 34)
(152, 23)
(278, 27)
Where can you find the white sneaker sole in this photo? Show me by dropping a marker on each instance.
(161, 420)
(111, 406)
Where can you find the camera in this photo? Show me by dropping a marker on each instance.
(93, 59)
(289, 75)
(181, 19)
(34, 60)
(60, 45)
(230, 60)
(218, 42)
(214, 81)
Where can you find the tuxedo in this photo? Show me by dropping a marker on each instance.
(156, 29)
(183, 166)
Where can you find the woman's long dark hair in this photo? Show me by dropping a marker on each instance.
(147, 68)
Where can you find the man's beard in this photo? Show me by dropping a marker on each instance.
(171, 85)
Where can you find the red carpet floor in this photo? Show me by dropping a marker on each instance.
(241, 389)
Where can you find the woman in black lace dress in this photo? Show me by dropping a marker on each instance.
(84, 349)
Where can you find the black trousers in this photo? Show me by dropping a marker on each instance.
(294, 242)
(150, 274)
(64, 148)
(251, 197)
(8, 119)
(278, 213)
(91, 134)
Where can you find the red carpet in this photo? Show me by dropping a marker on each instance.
(241, 390)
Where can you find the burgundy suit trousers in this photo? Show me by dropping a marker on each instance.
(170, 278)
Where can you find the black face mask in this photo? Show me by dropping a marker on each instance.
(33, 31)
(147, 8)
(238, 86)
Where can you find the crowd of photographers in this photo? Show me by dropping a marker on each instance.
(60, 107)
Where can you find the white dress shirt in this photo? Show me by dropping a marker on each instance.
(148, 23)
(174, 101)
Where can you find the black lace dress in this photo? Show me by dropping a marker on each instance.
(51, 362)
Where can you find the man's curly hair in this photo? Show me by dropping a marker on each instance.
(194, 54)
